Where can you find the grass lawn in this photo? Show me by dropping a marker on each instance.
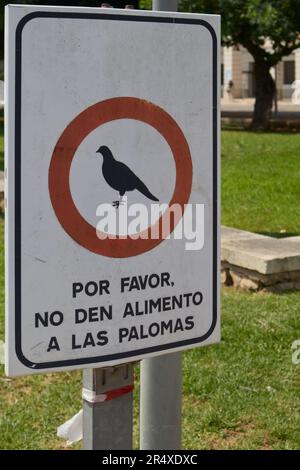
(242, 393)
(260, 182)
(1, 144)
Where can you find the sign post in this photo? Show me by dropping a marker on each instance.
(160, 403)
(108, 403)
(161, 377)
(112, 195)
(108, 408)
(164, 5)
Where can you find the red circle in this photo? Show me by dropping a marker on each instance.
(59, 173)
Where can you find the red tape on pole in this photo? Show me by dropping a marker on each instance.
(91, 397)
(119, 392)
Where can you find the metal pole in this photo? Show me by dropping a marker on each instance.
(160, 403)
(160, 396)
(164, 5)
(108, 425)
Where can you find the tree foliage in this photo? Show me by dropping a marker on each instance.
(244, 22)
(250, 22)
(268, 29)
(145, 4)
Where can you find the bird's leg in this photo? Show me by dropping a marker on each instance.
(116, 204)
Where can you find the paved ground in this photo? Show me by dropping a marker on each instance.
(243, 109)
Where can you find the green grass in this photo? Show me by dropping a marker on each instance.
(260, 182)
(240, 394)
(1, 144)
(244, 392)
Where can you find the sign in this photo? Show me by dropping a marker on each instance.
(112, 222)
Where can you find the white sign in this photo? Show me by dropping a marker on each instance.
(112, 227)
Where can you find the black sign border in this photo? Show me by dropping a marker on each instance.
(18, 81)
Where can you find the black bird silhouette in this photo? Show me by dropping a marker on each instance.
(120, 177)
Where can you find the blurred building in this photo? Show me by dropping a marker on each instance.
(237, 74)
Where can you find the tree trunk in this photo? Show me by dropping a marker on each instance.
(264, 96)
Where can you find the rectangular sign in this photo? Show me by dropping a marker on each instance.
(112, 221)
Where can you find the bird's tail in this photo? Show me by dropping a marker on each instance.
(144, 190)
